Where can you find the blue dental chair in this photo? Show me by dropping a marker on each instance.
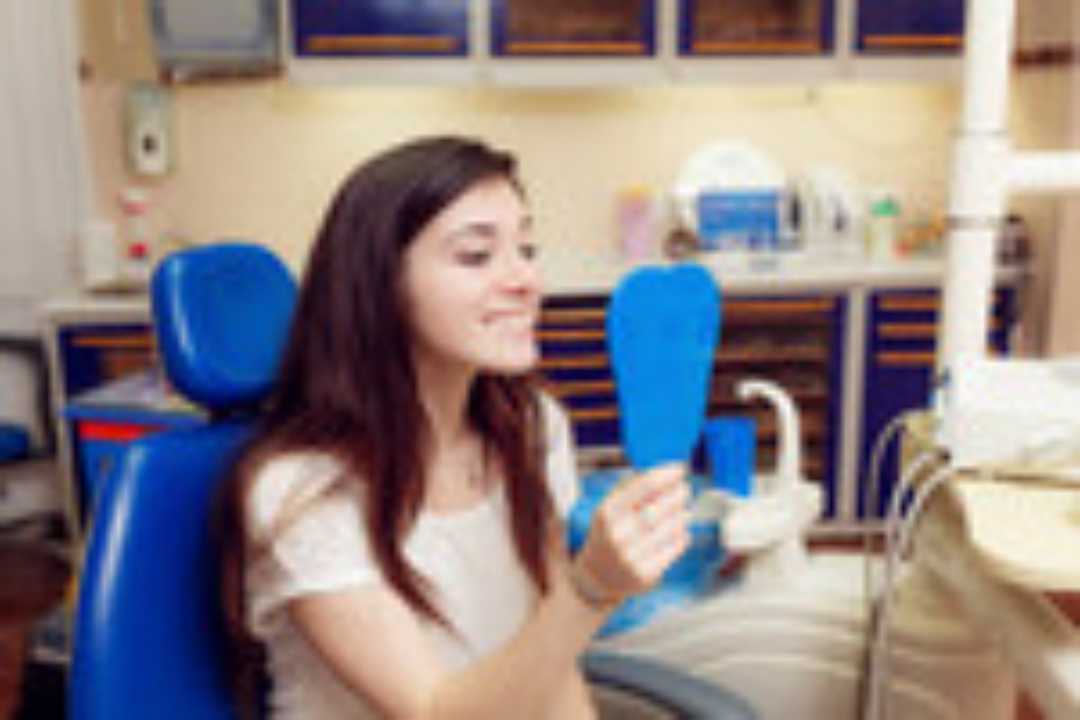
(149, 636)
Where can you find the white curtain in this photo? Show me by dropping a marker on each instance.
(44, 185)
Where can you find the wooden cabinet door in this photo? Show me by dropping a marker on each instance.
(755, 27)
(553, 28)
(364, 28)
(909, 26)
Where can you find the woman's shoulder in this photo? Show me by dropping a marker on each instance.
(552, 413)
(282, 485)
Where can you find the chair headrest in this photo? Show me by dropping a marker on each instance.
(222, 315)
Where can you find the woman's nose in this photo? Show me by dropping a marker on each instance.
(521, 272)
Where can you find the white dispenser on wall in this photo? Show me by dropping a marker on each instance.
(148, 130)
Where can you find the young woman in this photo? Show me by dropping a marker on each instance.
(397, 544)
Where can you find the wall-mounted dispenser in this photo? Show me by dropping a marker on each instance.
(148, 130)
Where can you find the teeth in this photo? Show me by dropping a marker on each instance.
(513, 323)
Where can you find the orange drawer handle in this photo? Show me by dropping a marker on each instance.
(381, 43)
(574, 361)
(568, 335)
(906, 359)
(913, 41)
(581, 387)
(711, 47)
(812, 354)
(910, 303)
(912, 330)
(591, 47)
(594, 414)
(115, 342)
(779, 306)
(918, 330)
(572, 315)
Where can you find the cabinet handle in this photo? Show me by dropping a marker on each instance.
(919, 330)
(716, 47)
(907, 330)
(580, 388)
(778, 306)
(574, 361)
(567, 335)
(572, 315)
(381, 43)
(114, 342)
(596, 414)
(590, 47)
(740, 355)
(913, 41)
(908, 304)
(906, 359)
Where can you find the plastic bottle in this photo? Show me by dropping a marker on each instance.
(637, 223)
(136, 260)
(882, 228)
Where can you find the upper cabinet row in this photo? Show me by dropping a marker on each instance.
(625, 28)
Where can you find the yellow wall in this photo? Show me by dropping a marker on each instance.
(259, 160)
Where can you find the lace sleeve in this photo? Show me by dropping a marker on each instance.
(308, 536)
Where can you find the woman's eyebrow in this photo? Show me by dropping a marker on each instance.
(484, 229)
(476, 228)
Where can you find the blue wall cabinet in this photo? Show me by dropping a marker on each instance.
(901, 353)
(755, 27)
(376, 28)
(561, 28)
(909, 26)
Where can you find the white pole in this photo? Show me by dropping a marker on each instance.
(980, 179)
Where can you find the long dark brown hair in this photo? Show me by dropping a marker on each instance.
(347, 383)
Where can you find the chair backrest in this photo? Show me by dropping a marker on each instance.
(149, 639)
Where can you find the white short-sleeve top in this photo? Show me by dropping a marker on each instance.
(469, 556)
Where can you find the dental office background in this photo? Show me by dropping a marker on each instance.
(258, 159)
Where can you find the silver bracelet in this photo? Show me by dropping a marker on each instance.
(589, 590)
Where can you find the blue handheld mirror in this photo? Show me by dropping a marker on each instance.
(663, 325)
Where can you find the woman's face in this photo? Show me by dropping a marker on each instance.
(472, 285)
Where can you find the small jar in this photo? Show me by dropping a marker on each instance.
(881, 229)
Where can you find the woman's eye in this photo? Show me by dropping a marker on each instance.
(473, 257)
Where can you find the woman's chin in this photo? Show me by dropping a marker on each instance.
(512, 362)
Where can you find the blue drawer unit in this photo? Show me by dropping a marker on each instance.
(576, 368)
(378, 28)
(571, 28)
(909, 26)
(901, 349)
(755, 27)
(95, 354)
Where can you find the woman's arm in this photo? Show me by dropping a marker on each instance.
(374, 643)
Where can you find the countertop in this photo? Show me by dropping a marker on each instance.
(568, 272)
(777, 273)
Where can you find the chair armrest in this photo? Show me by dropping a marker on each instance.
(668, 688)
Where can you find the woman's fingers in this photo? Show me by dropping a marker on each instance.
(639, 530)
(640, 489)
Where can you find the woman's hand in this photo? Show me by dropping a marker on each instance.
(636, 533)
